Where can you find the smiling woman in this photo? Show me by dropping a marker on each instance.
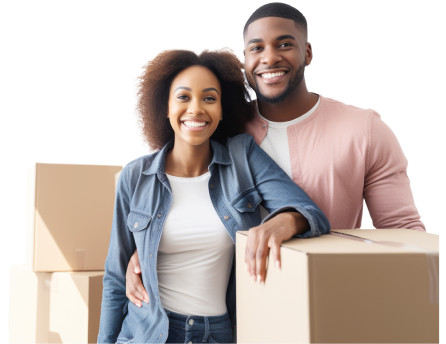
(179, 209)
(155, 91)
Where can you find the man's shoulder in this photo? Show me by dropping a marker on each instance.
(339, 110)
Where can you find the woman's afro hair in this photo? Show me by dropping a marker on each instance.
(151, 87)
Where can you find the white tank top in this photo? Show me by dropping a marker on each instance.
(195, 252)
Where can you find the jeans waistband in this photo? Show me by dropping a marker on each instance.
(197, 322)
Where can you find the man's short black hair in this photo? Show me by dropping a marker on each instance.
(281, 10)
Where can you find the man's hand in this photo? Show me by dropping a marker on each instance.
(134, 289)
(270, 235)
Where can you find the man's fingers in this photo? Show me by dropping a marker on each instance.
(134, 260)
(134, 288)
(137, 283)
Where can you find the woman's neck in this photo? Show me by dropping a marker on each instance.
(187, 161)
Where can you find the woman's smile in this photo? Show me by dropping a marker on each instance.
(194, 124)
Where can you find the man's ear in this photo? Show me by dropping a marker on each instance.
(308, 54)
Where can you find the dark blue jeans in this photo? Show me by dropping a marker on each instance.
(199, 329)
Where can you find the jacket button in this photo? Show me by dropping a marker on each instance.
(150, 256)
(212, 186)
(136, 225)
(249, 205)
(191, 322)
(159, 215)
(226, 217)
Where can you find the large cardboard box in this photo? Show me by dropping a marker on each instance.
(70, 213)
(59, 307)
(351, 286)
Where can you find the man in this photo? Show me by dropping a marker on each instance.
(338, 154)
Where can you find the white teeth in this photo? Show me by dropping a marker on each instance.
(191, 124)
(271, 75)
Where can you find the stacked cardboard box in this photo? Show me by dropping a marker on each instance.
(352, 286)
(56, 296)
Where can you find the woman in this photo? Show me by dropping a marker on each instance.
(181, 206)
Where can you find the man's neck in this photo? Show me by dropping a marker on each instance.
(295, 105)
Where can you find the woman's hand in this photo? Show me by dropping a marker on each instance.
(270, 235)
(134, 289)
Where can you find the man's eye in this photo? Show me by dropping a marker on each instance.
(255, 48)
(285, 45)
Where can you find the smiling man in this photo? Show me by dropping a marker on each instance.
(337, 153)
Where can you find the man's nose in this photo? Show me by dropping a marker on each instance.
(270, 56)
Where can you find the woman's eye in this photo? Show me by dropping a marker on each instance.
(183, 97)
(209, 98)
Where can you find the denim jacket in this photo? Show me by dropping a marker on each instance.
(242, 177)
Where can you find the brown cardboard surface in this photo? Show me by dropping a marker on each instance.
(29, 307)
(60, 307)
(335, 290)
(70, 214)
(75, 306)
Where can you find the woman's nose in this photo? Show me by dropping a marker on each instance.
(195, 108)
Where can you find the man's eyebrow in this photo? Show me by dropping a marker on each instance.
(255, 40)
(259, 40)
(285, 37)
(189, 89)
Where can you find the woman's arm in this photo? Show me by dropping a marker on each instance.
(293, 213)
(121, 247)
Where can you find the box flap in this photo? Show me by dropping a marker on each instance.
(416, 242)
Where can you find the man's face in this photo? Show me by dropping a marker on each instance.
(276, 53)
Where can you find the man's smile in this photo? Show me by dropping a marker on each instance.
(272, 76)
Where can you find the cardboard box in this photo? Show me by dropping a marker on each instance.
(351, 286)
(59, 307)
(70, 213)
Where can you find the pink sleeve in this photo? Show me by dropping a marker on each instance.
(386, 184)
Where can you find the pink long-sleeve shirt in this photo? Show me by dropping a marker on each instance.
(341, 155)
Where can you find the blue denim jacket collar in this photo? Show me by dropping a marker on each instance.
(220, 156)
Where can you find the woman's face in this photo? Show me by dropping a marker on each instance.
(194, 108)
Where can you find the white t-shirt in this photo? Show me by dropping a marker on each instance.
(195, 252)
(275, 144)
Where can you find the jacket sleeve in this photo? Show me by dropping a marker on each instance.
(279, 192)
(121, 248)
(386, 184)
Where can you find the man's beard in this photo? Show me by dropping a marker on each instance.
(292, 85)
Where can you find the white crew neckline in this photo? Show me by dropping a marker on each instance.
(294, 121)
(189, 180)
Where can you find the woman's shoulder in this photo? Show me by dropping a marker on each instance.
(141, 164)
(242, 140)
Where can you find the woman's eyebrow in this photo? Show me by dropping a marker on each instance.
(183, 88)
(210, 89)
(189, 89)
